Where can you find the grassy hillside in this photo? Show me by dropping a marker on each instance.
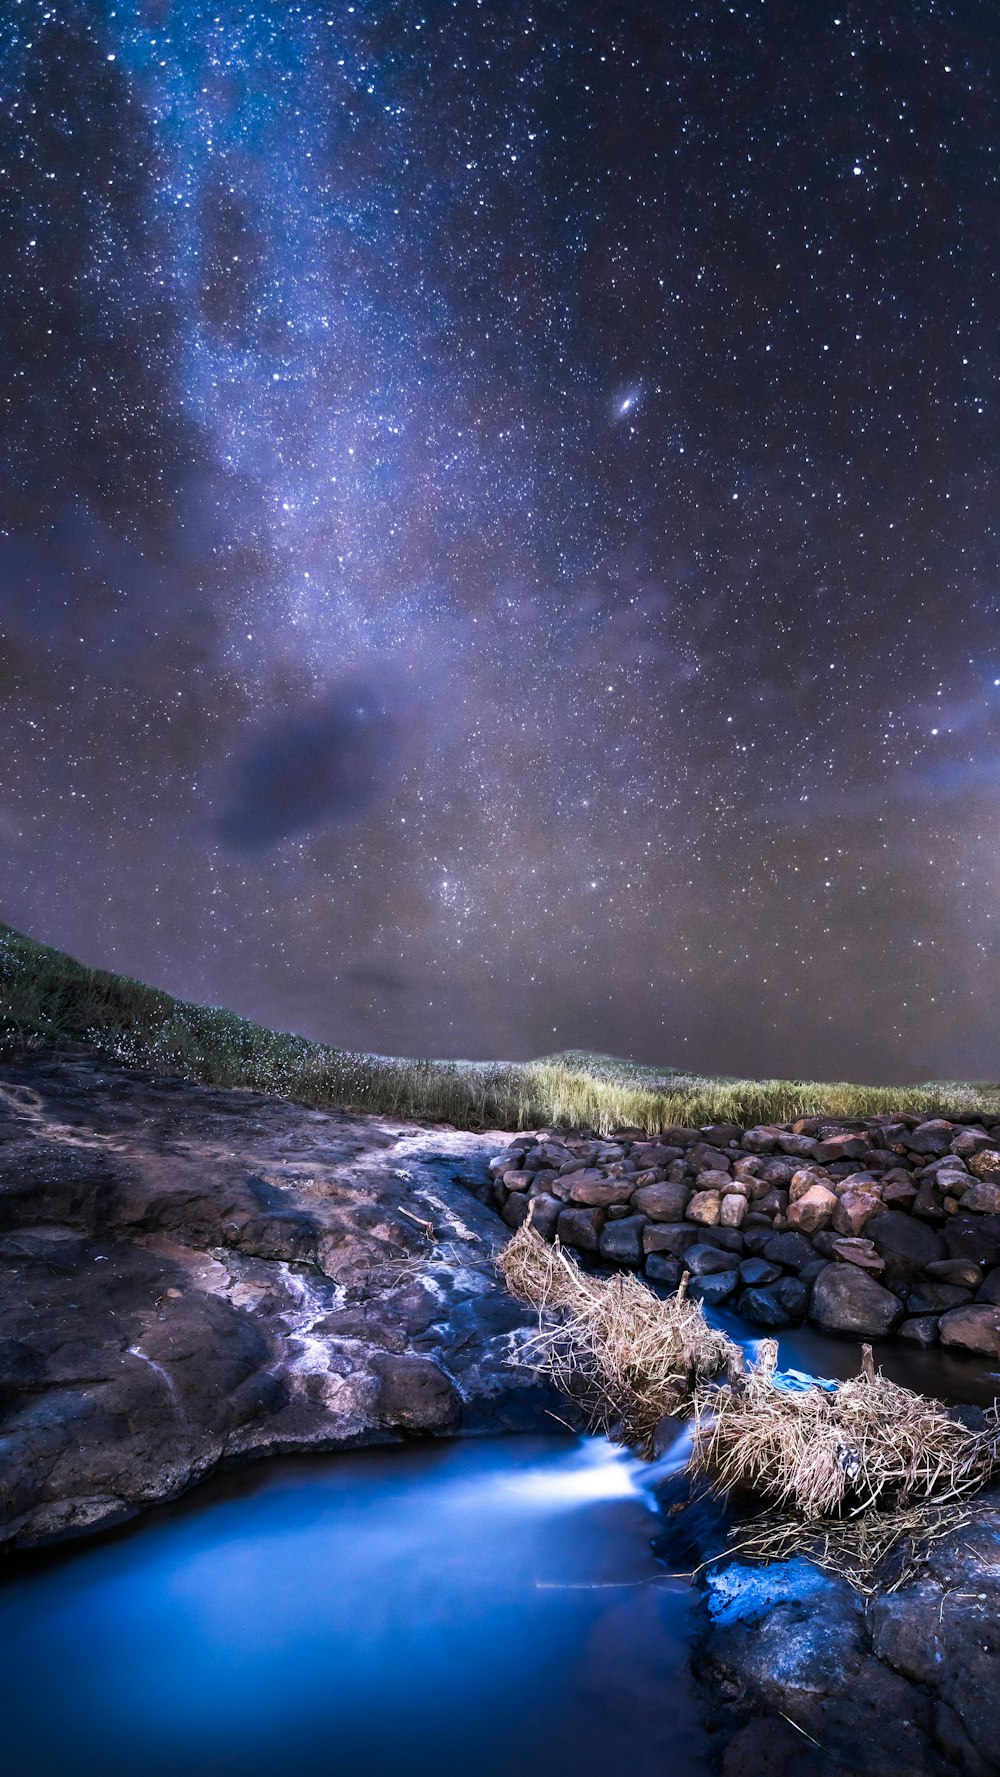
(47, 997)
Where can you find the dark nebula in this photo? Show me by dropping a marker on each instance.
(498, 540)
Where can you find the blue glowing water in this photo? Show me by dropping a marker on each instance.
(481, 1609)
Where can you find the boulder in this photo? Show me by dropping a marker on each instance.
(598, 1193)
(857, 1252)
(747, 1168)
(930, 1297)
(713, 1288)
(713, 1180)
(933, 1137)
(721, 1135)
(772, 1203)
(668, 1237)
(702, 1260)
(846, 1299)
(755, 1273)
(517, 1179)
(762, 1139)
(662, 1202)
(909, 1244)
(545, 1213)
(664, 1270)
(732, 1210)
(621, 1241)
(970, 1141)
(581, 1228)
(802, 1146)
(975, 1238)
(923, 1330)
(704, 1206)
(803, 1180)
(415, 1395)
(655, 1153)
(989, 1289)
(845, 1146)
(982, 1198)
(960, 1271)
(730, 1240)
(790, 1249)
(516, 1208)
(973, 1328)
(813, 1210)
(581, 1174)
(793, 1294)
(706, 1158)
(898, 1192)
(778, 1170)
(763, 1307)
(985, 1163)
(853, 1211)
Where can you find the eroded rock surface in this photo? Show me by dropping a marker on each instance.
(807, 1679)
(190, 1275)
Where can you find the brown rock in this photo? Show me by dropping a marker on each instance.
(598, 1193)
(813, 1210)
(973, 1328)
(803, 1181)
(984, 1163)
(840, 1147)
(732, 1210)
(982, 1198)
(762, 1139)
(414, 1394)
(668, 1237)
(713, 1180)
(846, 1300)
(662, 1202)
(581, 1228)
(853, 1211)
(857, 1252)
(516, 1208)
(704, 1207)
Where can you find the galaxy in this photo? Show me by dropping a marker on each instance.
(498, 547)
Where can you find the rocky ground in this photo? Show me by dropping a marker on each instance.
(193, 1276)
(889, 1226)
(803, 1677)
(189, 1276)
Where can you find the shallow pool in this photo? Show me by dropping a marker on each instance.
(478, 1609)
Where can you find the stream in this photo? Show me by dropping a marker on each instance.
(484, 1608)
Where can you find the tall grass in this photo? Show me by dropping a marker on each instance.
(47, 997)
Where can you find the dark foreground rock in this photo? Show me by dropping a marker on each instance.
(805, 1678)
(190, 1276)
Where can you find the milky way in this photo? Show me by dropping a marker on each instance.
(498, 536)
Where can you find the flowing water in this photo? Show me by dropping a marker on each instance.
(488, 1608)
(479, 1609)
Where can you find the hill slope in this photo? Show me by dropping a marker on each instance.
(48, 999)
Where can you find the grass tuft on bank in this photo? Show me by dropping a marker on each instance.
(46, 997)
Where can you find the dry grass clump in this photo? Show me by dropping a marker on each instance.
(828, 1452)
(633, 1356)
(852, 1472)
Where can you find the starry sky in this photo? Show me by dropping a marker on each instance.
(498, 544)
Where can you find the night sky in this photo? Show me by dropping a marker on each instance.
(498, 546)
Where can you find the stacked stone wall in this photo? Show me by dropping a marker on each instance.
(887, 1226)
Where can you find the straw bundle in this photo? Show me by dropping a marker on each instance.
(633, 1356)
(852, 1471)
(861, 1446)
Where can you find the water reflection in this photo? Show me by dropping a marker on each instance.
(487, 1607)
